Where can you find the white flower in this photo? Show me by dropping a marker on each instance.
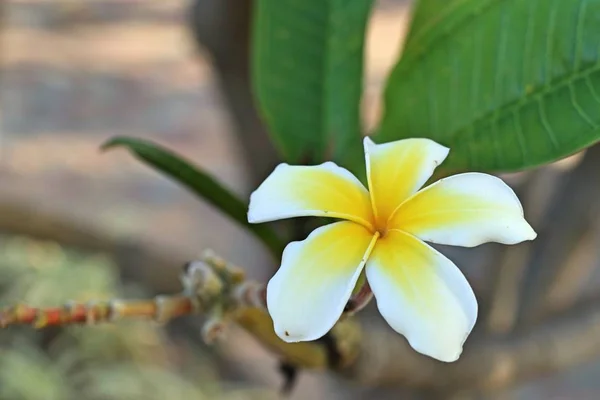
(419, 292)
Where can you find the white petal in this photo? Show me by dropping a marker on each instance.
(422, 295)
(396, 170)
(324, 190)
(308, 293)
(464, 210)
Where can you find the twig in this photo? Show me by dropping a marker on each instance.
(161, 308)
(220, 292)
(359, 300)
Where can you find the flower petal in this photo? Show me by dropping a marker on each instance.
(465, 210)
(396, 170)
(422, 295)
(308, 293)
(324, 190)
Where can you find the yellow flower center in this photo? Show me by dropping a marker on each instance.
(380, 226)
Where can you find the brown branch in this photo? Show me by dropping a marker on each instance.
(222, 27)
(487, 363)
(20, 216)
(504, 305)
(570, 217)
(510, 264)
(161, 308)
(564, 290)
(138, 261)
(220, 292)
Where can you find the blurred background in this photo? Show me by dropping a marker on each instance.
(77, 224)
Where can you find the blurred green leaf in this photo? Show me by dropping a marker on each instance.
(307, 73)
(27, 373)
(507, 85)
(198, 182)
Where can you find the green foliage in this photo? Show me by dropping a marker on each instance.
(307, 70)
(132, 360)
(198, 182)
(505, 84)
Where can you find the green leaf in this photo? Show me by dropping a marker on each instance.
(197, 182)
(506, 84)
(307, 73)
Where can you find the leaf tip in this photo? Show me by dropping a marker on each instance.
(109, 144)
(115, 142)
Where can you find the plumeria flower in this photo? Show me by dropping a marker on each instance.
(419, 292)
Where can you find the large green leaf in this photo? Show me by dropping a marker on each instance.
(198, 182)
(507, 84)
(307, 73)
